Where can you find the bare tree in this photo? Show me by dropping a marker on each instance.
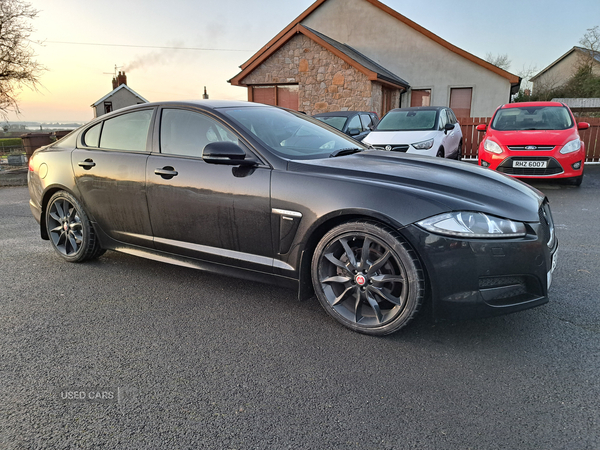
(18, 68)
(501, 61)
(591, 46)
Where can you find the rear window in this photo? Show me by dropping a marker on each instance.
(411, 120)
(532, 118)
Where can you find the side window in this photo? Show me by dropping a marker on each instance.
(366, 121)
(451, 117)
(354, 123)
(186, 133)
(92, 136)
(443, 119)
(127, 132)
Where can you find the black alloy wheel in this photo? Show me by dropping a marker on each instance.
(70, 230)
(440, 153)
(367, 278)
(459, 151)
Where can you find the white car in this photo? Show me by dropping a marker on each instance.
(423, 130)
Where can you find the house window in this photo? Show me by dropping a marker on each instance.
(285, 96)
(420, 97)
(107, 107)
(460, 101)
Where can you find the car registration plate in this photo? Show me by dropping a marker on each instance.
(531, 164)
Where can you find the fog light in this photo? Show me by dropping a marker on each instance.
(485, 163)
(577, 165)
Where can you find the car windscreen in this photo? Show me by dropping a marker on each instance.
(289, 135)
(532, 118)
(409, 120)
(335, 121)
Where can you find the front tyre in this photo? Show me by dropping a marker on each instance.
(459, 151)
(368, 278)
(70, 230)
(576, 181)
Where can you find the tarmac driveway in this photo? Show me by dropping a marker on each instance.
(177, 358)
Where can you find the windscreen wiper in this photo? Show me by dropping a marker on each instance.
(345, 151)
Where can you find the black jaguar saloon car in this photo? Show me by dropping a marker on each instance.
(268, 194)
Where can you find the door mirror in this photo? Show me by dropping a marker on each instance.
(448, 127)
(583, 126)
(353, 131)
(481, 127)
(227, 153)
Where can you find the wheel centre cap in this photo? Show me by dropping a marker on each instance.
(360, 279)
(66, 226)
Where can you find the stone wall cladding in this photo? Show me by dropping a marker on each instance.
(326, 82)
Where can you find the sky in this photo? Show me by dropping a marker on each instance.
(80, 43)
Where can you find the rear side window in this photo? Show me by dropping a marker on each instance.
(128, 132)
(91, 138)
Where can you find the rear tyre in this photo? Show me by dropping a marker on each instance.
(367, 278)
(70, 230)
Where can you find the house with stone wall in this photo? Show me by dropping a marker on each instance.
(363, 55)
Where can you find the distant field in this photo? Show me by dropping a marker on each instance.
(10, 142)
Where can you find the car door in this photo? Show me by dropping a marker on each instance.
(213, 212)
(110, 172)
(452, 137)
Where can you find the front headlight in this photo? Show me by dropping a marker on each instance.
(424, 145)
(473, 225)
(571, 146)
(492, 147)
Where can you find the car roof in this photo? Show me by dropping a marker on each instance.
(531, 104)
(341, 113)
(421, 108)
(210, 104)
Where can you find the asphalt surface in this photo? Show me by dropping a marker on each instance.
(197, 361)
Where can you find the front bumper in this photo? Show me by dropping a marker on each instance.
(486, 277)
(557, 165)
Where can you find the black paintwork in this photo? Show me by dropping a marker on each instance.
(262, 219)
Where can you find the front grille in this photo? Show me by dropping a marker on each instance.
(393, 148)
(553, 167)
(509, 290)
(492, 282)
(541, 148)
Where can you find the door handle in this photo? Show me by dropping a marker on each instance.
(166, 172)
(87, 164)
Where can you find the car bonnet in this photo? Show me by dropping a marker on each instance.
(452, 185)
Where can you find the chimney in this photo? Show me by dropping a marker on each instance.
(114, 82)
(121, 79)
(205, 96)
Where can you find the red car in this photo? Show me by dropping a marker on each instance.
(534, 140)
